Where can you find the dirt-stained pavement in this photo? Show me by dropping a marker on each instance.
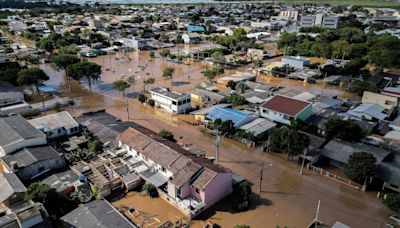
(286, 199)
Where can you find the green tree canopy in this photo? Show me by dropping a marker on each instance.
(360, 167)
(62, 61)
(121, 85)
(347, 130)
(392, 200)
(32, 76)
(87, 70)
(166, 135)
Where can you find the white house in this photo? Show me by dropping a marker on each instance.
(191, 38)
(284, 109)
(56, 125)
(171, 101)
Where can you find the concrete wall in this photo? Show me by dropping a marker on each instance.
(37, 168)
(7, 98)
(217, 189)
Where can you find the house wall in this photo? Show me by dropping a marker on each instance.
(275, 116)
(217, 189)
(171, 189)
(305, 114)
(385, 101)
(167, 103)
(37, 168)
(7, 98)
(61, 132)
(32, 221)
(8, 149)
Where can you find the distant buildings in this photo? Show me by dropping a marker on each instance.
(170, 101)
(296, 61)
(11, 99)
(289, 15)
(319, 20)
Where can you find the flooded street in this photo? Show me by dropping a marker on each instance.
(286, 199)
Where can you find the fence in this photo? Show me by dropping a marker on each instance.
(336, 177)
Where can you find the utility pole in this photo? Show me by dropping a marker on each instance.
(304, 159)
(317, 214)
(261, 175)
(217, 142)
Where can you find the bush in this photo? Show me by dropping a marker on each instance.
(30, 113)
(392, 200)
(150, 190)
(142, 98)
(166, 135)
(150, 102)
(241, 196)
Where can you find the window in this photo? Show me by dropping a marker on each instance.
(174, 102)
(265, 111)
(180, 102)
(40, 169)
(59, 131)
(197, 190)
(163, 169)
(285, 117)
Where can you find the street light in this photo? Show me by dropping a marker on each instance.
(261, 173)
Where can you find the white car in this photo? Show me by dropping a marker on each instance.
(395, 218)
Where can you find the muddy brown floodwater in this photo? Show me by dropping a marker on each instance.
(286, 199)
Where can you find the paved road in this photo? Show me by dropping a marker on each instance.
(287, 198)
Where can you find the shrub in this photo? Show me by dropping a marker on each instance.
(142, 98)
(241, 196)
(392, 200)
(150, 190)
(150, 102)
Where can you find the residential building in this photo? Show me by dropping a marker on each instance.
(56, 125)
(258, 126)
(11, 99)
(307, 21)
(238, 118)
(190, 183)
(17, 133)
(369, 112)
(337, 152)
(385, 101)
(284, 109)
(99, 213)
(201, 114)
(320, 20)
(237, 77)
(170, 101)
(62, 182)
(32, 162)
(296, 61)
(191, 38)
(14, 210)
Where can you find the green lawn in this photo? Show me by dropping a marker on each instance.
(369, 3)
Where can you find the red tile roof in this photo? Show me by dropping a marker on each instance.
(285, 105)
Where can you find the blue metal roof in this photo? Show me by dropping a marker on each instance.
(238, 118)
(193, 28)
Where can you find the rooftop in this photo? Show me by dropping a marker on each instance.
(15, 128)
(170, 94)
(98, 213)
(9, 185)
(28, 156)
(285, 105)
(54, 121)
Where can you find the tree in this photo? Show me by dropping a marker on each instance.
(71, 49)
(62, 61)
(360, 167)
(347, 130)
(241, 196)
(151, 54)
(46, 44)
(39, 192)
(95, 147)
(149, 81)
(168, 73)
(121, 86)
(236, 100)
(231, 84)
(88, 70)
(166, 135)
(226, 127)
(392, 200)
(341, 48)
(165, 52)
(32, 76)
(218, 57)
(150, 190)
(359, 87)
(210, 74)
(79, 155)
(292, 141)
(142, 98)
(258, 63)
